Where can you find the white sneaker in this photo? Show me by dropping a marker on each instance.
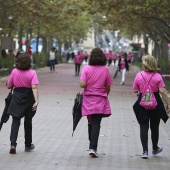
(144, 155)
(93, 153)
(159, 149)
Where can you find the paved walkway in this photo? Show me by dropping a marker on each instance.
(119, 143)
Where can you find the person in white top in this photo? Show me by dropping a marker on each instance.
(52, 59)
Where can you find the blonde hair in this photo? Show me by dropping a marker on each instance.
(149, 63)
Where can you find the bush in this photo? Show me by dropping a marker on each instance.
(164, 65)
(7, 61)
(40, 60)
(167, 83)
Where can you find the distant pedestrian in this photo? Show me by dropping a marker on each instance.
(145, 117)
(24, 102)
(68, 56)
(52, 59)
(31, 54)
(114, 56)
(78, 58)
(85, 56)
(123, 67)
(96, 81)
(72, 55)
(129, 57)
(110, 57)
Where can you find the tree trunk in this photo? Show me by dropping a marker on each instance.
(20, 37)
(146, 42)
(59, 52)
(37, 39)
(27, 41)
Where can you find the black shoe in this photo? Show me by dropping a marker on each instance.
(12, 150)
(28, 149)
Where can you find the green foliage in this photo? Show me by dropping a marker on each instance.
(6, 62)
(40, 60)
(164, 65)
(167, 84)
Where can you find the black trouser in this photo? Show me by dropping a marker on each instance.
(109, 62)
(52, 65)
(85, 58)
(77, 69)
(94, 130)
(27, 127)
(154, 126)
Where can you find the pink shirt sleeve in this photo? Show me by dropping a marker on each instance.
(108, 78)
(83, 74)
(34, 79)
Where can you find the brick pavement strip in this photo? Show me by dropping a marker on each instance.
(119, 143)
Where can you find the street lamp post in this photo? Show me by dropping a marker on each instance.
(0, 41)
(10, 39)
(10, 25)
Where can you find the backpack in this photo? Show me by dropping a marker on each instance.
(148, 100)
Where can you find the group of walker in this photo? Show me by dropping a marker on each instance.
(96, 81)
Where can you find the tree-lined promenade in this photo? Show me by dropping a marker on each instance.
(69, 21)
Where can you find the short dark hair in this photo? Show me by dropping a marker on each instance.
(23, 61)
(97, 57)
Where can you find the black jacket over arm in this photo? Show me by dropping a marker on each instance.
(141, 113)
(22, 102)
(126, 64)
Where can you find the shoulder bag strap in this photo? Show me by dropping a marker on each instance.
(142, 76)
(149, 79)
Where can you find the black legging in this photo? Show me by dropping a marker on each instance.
(154, 126)
(52, 65)
(27, 129)
(94, 130)
(77, 69)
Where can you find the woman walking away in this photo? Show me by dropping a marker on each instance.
(96, 81)
(148, 117)
(24, 102)
(123, 67)
(78, 58)
(52, 59)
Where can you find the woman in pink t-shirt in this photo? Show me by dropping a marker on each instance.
(78, 58)
(24, 101)
(114, 58)
(152, 117)
(96, 81)
(123, 67)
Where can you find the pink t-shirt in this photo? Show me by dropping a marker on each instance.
(114, 56)
(95, 100)
(23, 78)
(122, 64)
(129, 56)
(78, 59)
(97, 78)
(110, 55)
(156, 81)
(86, 54)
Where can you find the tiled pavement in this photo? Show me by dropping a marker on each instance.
(119, 143)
